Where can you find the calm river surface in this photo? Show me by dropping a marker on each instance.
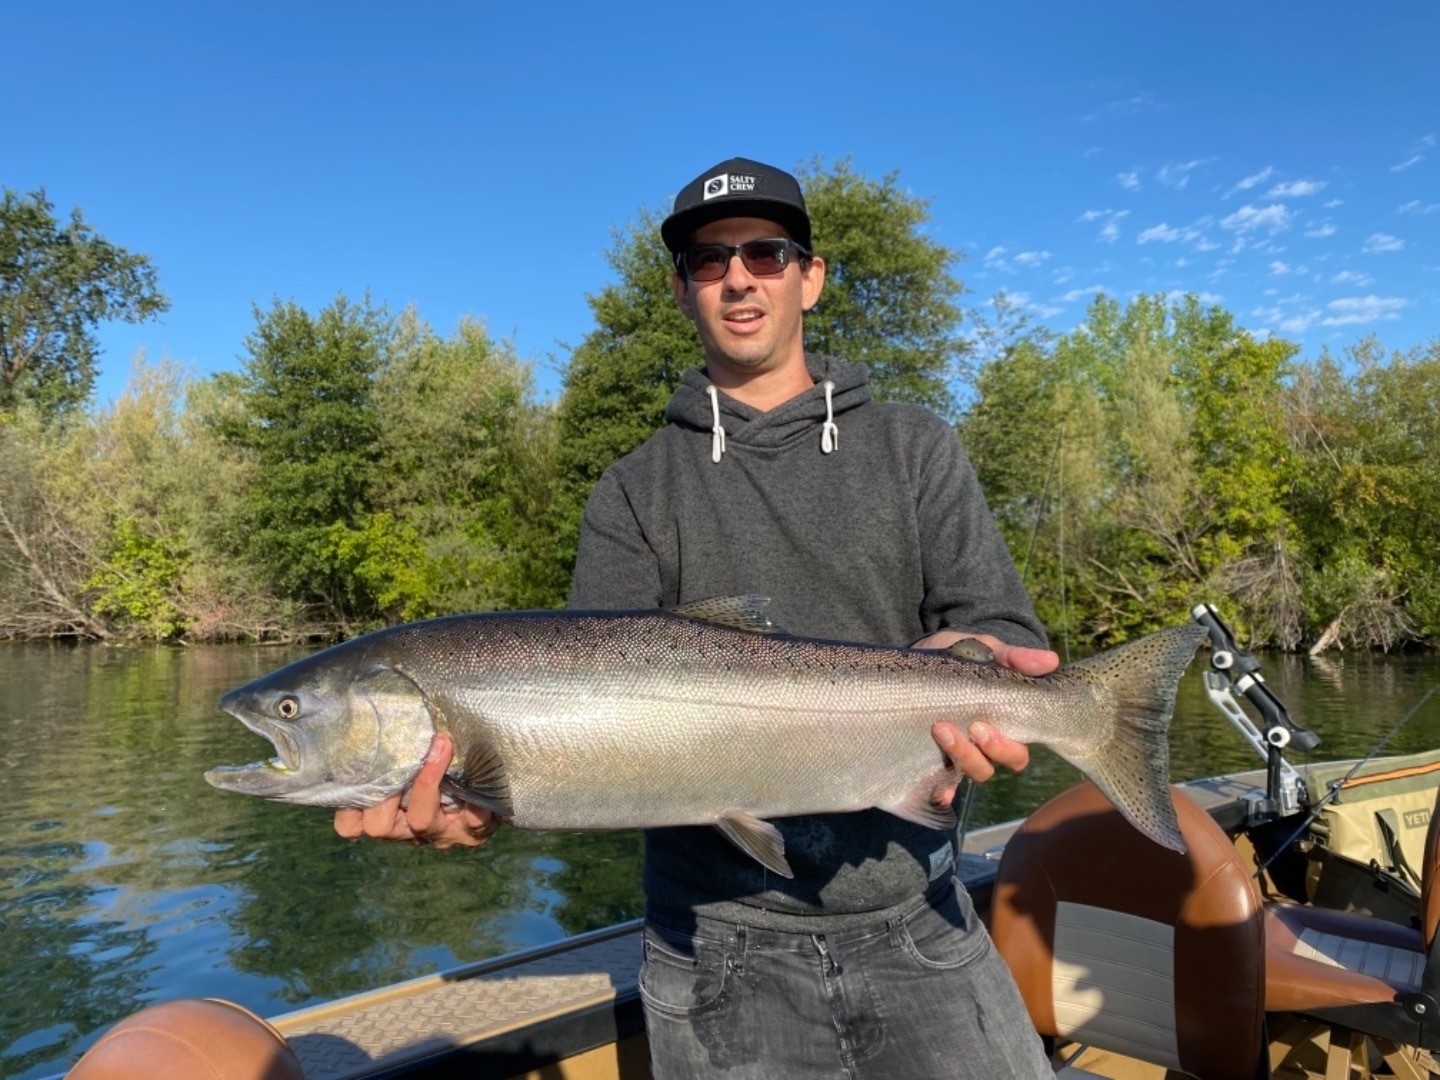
(126, 880)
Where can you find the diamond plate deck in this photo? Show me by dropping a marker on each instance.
(406, 1023)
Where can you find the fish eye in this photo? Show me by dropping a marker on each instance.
(288, 707)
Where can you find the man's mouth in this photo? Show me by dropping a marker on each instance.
(747, 316)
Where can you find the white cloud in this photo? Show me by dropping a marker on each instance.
(1075, 294)
(1362, 309)
(1319, 232)
(1129, 180)
(1203, 297)
(1165, 233)
(1288, 322)
(1251, 181)
(1352, 277)
(1279, 269)
(1330, 204)
(1415, 206)
(1295, 189)
(1110, 231)
(1133, 104)
(1381, 242)
(1250, 218)
(1064, 275)
(997, 258)
(1090, 152)
(1298, 323)
(1048, 311)
(1417, 153)
(1177, 176)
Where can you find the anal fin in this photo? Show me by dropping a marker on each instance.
(757, 838)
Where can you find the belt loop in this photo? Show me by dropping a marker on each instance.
(742, 943)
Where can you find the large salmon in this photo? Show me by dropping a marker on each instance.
(706, 714)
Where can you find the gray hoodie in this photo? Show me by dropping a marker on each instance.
(862, 521)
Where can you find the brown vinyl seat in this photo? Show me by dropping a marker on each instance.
(189, 1039)
(1360, 974)
(1126, 946)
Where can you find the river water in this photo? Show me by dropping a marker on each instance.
(126, 880)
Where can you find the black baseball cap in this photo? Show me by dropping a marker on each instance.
(737, 188)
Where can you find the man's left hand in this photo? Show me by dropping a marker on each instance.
(977, 755)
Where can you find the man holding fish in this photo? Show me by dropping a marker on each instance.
(778, 475)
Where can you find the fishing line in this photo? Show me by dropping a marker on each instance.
(1338, 785)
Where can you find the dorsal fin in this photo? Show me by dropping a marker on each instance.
(483, 782)
(736, 612)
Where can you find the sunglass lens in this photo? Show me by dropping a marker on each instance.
(764, 257)
(707, 262)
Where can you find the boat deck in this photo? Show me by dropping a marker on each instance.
(575, 1001)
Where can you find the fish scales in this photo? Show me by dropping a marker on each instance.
(642, 719)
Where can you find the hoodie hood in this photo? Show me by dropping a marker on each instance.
(814, 415)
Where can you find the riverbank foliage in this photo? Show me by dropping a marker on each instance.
(361, 469)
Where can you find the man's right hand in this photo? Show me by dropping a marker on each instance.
(423, 820)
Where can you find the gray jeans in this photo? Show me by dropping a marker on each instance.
(924, 995)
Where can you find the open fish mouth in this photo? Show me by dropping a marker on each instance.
(287, 750)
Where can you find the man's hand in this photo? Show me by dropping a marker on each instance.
(977, 756)
(422, 820)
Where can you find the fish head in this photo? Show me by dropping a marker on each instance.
(347, 731)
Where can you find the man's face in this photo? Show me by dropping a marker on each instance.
(748, 324)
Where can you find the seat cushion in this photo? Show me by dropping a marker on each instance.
(1317, 959)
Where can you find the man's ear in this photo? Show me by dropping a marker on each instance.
(681, 288)
(812, 281)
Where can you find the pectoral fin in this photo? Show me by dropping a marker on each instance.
(758, 839)
(920, 805)
(483, 781)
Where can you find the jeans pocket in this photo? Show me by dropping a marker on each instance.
(678, 984)
(944, 934)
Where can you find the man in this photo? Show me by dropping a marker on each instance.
(776, 474)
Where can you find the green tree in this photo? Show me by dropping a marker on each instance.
(890, 301)
(1366, 493)
(57, 283)
(464, 465)
(1139, 465)
(306, 417)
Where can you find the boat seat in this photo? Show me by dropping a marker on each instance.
(188, 1039)
(1358, 972)
(1129, 947)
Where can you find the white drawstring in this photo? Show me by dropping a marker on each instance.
(717, 433)
(829, 433)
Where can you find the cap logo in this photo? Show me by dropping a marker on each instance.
(727, 184)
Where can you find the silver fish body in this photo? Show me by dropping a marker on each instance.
(586, 720)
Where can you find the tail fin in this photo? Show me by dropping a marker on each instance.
(1133, 768)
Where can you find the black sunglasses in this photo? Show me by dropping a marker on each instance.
(763, 258)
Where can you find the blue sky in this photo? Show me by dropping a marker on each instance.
(1280, 159)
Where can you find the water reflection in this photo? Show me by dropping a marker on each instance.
(125, 879)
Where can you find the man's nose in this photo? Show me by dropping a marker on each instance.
(737, 275)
